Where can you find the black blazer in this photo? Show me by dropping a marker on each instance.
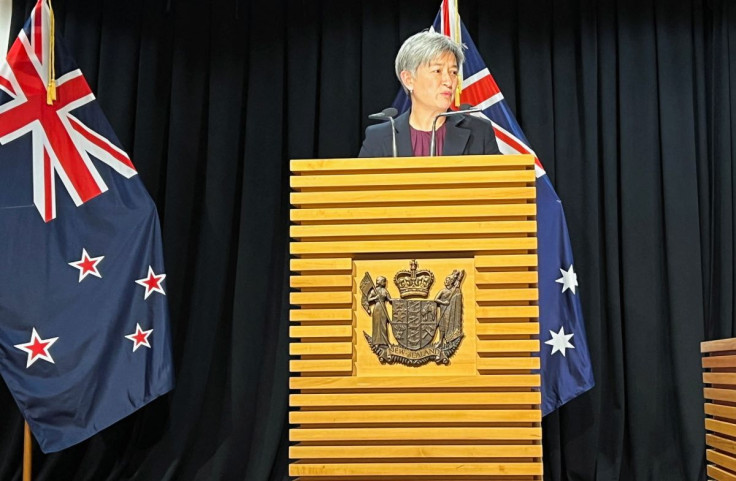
(464, 135)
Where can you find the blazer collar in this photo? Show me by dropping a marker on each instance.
(456, 137)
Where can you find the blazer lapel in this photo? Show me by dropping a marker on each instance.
(456, 137)
(403, 135)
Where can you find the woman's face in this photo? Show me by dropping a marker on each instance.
(433, 86)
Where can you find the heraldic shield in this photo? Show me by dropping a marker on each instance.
(414, 322)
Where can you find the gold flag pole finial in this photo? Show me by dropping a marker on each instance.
(458, 39)
(51, 89)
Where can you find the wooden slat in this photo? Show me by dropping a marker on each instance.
(417, 451)
(720, 474)
(424, 469)
(714, 362)
(411, 229)
(307, 332)
(728, 378)
(321, 365)
(321, 298)
(324, 348)
(720, 443)
(500, 312)
(523, 277)
(409, 382)
(720, 394)
(321, 281)
(486, 295)
(405, 246)
(521, 345)
(722, 427)
(317, 315)
(721, 459)
(410, 163)
(504, 363)
(413, 399)
(477, 212)
(718, 345)
(306, 265)
(374, 197)
(721, 411)
(506, 328)
(427, 416)
(404, 433)
(516, 260)
(424, 179)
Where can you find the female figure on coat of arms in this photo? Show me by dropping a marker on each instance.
(379, 316)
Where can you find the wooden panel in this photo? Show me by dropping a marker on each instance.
(409, 383)
(503, 363)
(506, 328)
(720, 394)
(482, 211)
(516, 345)
(719, 361)
(720, 411)
(411, 229)
(412, 399)
(374, 197)
(356, 418)
(412, 246)
(305, 265)
(403, 433)
(719, 378)
(316, 315)
(721, 459)
(324, 348)
(425, 469)
(417, 451)
(309, 332)
(718, 345)
(720, 427)
(409, 164)
(494, 312)
(720, 443)
(424, 416)
(321, 365)
(720, 474)
(485, 295)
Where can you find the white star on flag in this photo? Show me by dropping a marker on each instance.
(152, 283)
(560, 341)
(569, 279)
(139, 337)
(87, 265)
(37, 348)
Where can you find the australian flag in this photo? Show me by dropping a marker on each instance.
(84, 328)
(566, 367)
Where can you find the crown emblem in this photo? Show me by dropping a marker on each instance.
(414, 283)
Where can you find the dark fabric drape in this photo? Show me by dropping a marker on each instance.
(628, 104)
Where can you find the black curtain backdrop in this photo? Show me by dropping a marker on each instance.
(628, 103)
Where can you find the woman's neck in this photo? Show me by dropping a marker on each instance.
(422, 120)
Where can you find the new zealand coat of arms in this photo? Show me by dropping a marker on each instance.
(425, 329)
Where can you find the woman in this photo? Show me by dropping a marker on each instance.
(427, 66)
(379, 316)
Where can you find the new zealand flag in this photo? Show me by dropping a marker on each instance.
(84, 324)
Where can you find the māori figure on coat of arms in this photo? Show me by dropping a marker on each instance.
(415, 323)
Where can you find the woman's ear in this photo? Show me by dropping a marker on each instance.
(407, 79)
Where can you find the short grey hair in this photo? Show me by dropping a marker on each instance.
(422, 48)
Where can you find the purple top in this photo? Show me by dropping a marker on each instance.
(420, 141)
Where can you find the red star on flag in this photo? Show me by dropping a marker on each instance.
(37, 348)
(139, 337)
(87, 265)
(152, 283)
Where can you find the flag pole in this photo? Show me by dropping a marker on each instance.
(26, 452)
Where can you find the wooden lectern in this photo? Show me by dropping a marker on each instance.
(414, 319)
